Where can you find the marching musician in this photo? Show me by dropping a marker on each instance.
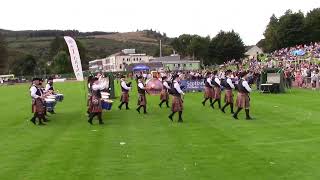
(228, 95)
(49, 90)
(243, 100)
(125, 93)
(177, 102)
(89, 84)
(208, 90)
(164, 96)
(95, 107)
(38, 107)
(217, 90)
(142, 100)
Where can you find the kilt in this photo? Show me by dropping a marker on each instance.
(228, 97)
(208, 92)
(95, 105)
(142, 100)
(38, 106)
(243, 100)
(217, 93)
(124, 97)
(164, 95)
(177, 104)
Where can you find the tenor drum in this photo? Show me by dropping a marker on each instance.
(59, 97)
(106, 104)
(50, 103)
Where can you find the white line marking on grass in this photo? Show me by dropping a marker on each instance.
(288, 141)
(122, 143)
(94, 130)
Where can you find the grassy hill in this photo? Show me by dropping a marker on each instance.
(97, 44)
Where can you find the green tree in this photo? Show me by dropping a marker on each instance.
(270, 42)
(199, 47)
(27, 65)
(3, 55)
(61, 63)
(225, 46)
(312, 25)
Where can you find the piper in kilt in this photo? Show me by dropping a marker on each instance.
(228, 98)
(125, 93)
(142, 100)
(243, 100)
(164, 95)
(177, 102)
(95, 107)
(38, 107)
(217, 90)
(208, 90)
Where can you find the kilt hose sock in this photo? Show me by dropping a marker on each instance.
(166, 101)
(92, 115)
(219, 103)
(226, 105)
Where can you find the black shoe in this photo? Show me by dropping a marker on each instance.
(138, 110)
(101, 122)
(235, 116)
(119, 107)
(160, 106)
(90, 122)
(212, 106)
(145, 113)
(249, 118)
(33, 120)
(180, 121)
(127, 108)
(41, 124)
(232, 112)
(170, 117)
(46, 120)
(52, 112)
(223, 110)
(203, 104)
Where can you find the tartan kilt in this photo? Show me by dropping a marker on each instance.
(142, 100)
(95, 105)
(208, 92)
(217, 93)
(124, 97)
(228, 97)
(164, 95)
(243, 100)
(177, 104)
(38, 106)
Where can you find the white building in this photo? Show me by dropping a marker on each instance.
(253, 51)
(118, 62)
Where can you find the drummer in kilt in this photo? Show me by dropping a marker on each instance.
(164, 95)
(177, 102)
(142, 100)
(125, 88)
(208, 90)
(243, 99)
(50, 90)
(217, 90)
(38, 107)
(95, 107)
(228, 98)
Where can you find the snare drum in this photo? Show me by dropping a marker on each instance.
(50, 103)
(59, 97)
(106, 104)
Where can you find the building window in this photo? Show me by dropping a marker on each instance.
(123, 59)
(178, 65)
(140, 59)
(184, 65)
(190, 64)
(120, 66)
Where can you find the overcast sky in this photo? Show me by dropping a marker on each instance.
(175, 17)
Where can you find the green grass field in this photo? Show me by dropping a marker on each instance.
(282, 143)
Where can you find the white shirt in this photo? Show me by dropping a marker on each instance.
(229, 81)
(141, 86)
(47, 87)
(246, 85)
(165, 84)
(124, 85)
(217, 80)
(176, 85)
(209, 81)
(99, 86)
(33, 91)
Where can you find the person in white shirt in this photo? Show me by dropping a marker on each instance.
(164, 95)
(142, 100)
(95, 108)
(177, 102)
(228, 95)
(217, 90)
(243, 100)
(208, 89)
(37, 102)
(125, 88)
